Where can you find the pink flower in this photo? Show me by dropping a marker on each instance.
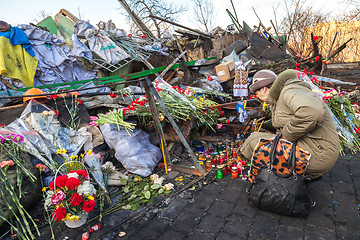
(41, 167)
(8, 163)
(298, 55)
(93, 118)
(57, 197)
(93, 123)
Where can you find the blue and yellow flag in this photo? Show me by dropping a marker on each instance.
(17, 59)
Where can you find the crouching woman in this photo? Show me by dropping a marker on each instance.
(300, 115)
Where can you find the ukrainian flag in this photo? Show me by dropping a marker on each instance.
(17, 59)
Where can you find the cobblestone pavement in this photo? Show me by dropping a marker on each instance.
(220, 210)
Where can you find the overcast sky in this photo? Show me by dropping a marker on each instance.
(24, 11)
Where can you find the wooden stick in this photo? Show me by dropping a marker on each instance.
(162, 150)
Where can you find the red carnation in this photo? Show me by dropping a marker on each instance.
(59, 214)
(59, 181)
(297, 64)
(311, 73)
(315, 38)
(143, 36)
(76, 199)
(79, 102)
(317, 58)
(53, 96)
(72, 183)
(88, 205)
(297, 69)
(113, 95)
(82, 172)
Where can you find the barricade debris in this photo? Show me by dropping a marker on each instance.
(116, 108)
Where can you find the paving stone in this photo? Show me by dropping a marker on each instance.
(221, 209)
(355, 171)
(229, 195)
(312, 233)
(238, 225)
(197, 234)
(320, 186)
(243, 207)
(172, 235)
(356, 181)
(187, 220)
(322, 199)
(343, 176)
(347, 216)
(212, 189)
(343, 187)
(345, 232)
(345, 199)
(326, 177)
(264, 227)
(272, 215)
(285, 233)
(293, 222)
(321, 217)
(211, 224)
(204, 201)
(154, 229)
(172, 210)
(236, 184)
(225, 235)
(354, 163)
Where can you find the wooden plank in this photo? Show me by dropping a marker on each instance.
(176, 128)
(185, 169)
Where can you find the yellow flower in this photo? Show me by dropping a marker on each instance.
(82, 155)
(71, 217)
(63, 151)
(89, 152)
(73, 157)
(44, 189)
(91, 198)
(58, 151)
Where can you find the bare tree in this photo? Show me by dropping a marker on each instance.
(299, 16)
(145, 8)
(204, 13)
(40, 16)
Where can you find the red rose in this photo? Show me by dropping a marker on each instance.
(143, 36)
(76, 199)
(311, 73)
(317, 58)
(113, 95)
(315, 38)
(59, 214)
(297, 64)
(59, 181)
(88, 205)
(79, 102)
(297, 69)
(72, 183)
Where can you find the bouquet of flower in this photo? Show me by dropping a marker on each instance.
(71, 196)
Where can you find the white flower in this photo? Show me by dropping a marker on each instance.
(48, 203)
(156, 179)
(169, 186)
(86, 188)
(108, 166)
(73, 174)
(159, 181)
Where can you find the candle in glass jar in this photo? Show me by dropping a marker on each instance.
(234, 172)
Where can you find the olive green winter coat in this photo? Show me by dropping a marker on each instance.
(300, 115)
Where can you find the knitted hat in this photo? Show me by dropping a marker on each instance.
(262, 79)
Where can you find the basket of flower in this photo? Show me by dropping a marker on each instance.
(71, 198)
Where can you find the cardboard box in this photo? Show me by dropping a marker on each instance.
(225, 71)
